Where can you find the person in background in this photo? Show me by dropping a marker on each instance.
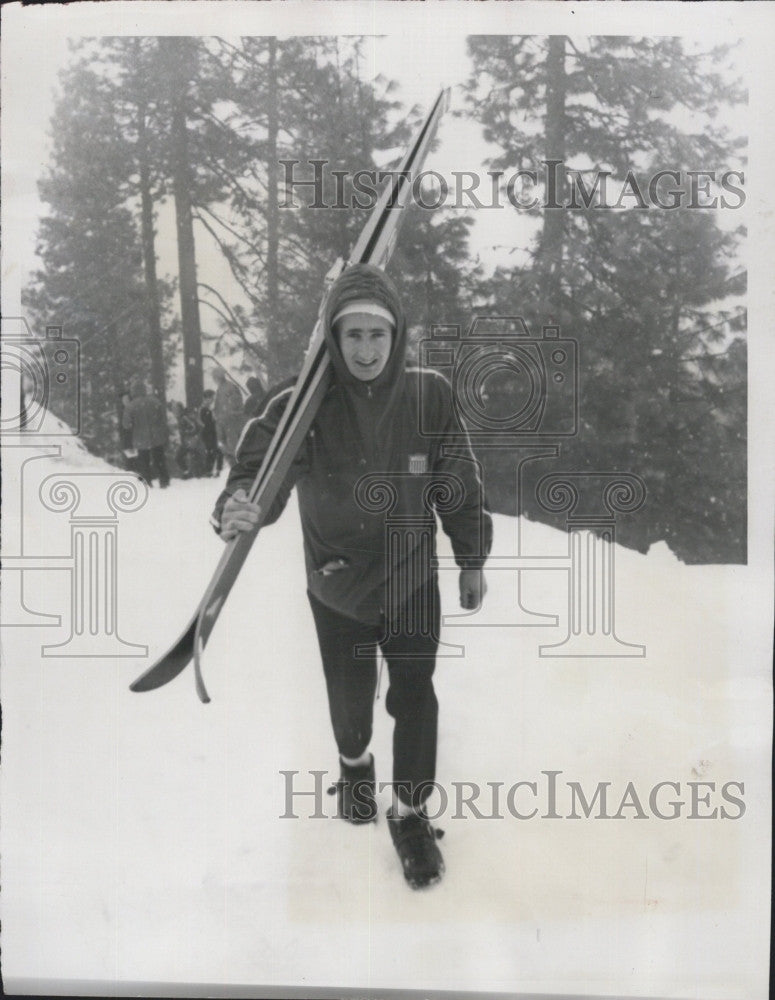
(209, 436)
(256, 398)
(227, 411)
(189, 450)
(128, 452)
(124, 433)
(144, 416)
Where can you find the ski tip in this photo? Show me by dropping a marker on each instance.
(201, 690)
(199, 644)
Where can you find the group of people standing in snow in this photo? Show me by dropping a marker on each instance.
(204, 438)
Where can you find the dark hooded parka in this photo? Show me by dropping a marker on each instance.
(400, 431)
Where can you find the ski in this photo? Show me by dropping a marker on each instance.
(374, 246)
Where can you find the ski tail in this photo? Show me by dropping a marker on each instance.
(174, 661)
(199, 645)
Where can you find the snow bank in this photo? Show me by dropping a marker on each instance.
(55, 433)
(142, 835)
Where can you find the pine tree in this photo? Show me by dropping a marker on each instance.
(306, 114)
(124, 70)
(433, 270)
(179, 73)
(91, 279)
(646, 292)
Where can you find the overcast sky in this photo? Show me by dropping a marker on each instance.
(420, 65)
(419, 49)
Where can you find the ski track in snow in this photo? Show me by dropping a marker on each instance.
(142, 837)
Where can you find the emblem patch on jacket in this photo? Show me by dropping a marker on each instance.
(418, 464)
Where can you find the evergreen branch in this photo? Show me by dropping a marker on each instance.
(237, 269)
(221, 299)
(235, 49)
(231, 324)
(243, 239)
(220, 170)
(254, 347)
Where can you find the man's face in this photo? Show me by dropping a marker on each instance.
(365, 342)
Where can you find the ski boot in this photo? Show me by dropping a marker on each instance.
(415, 841)
(355, 792)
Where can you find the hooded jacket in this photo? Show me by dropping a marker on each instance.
(144, 416)
(380, 460)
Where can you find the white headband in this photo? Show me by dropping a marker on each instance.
(365, 306)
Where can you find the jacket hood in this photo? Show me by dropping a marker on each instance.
(364, 281)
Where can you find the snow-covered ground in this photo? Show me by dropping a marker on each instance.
(142, 834)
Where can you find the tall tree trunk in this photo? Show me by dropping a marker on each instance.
(272, 210)
(180, 54)
(553, 236)
(340, 218)
(155, 342)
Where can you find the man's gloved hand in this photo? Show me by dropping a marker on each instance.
(473, 587)
(238, 514)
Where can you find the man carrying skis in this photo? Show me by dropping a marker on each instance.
(385, 424)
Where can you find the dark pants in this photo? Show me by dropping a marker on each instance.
(152, 464)
(191, 459)
(351, 680)
(213, 458)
